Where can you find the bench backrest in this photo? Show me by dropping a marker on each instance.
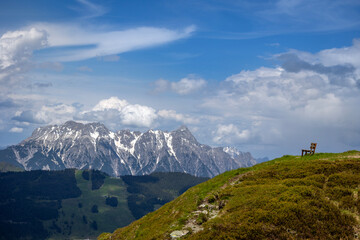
(312, 147)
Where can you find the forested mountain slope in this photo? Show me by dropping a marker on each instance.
(78, 204)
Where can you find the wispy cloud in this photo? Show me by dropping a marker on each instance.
(110, 58)
(89, 9)
(16, 130)
(309, 16)
(173, 115)
(74, 42)
(280, 17)
(84, 69)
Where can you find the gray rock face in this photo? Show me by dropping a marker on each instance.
(84, 146)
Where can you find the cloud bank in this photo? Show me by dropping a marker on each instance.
(114, 110)
(309, 97)
(118, 110)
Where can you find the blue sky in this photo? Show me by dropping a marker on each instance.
(267, 77)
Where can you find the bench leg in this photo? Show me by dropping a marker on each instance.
(303, 152)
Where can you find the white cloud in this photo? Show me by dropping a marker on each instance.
(120, 111)
(230, 133)
(327, 110)
(185, 86)
(268, 91)
(137, 115)
(48, 114)
(345, 55)
(188, 85)
(17, 47)
(16, 130)
(111, 103)
(98, 42)
(173, 115)
(60, 109)
(334, 56)
(115, 110)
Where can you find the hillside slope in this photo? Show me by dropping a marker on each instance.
(313, 197)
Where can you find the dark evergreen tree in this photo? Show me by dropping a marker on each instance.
(111, 201)
(94, 209)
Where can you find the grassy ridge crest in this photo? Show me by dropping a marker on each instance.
(292, 197)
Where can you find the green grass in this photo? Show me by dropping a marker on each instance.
(311, 197)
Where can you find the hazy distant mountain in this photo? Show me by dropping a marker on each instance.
(93, 146)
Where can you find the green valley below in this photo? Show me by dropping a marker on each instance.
(76, 204)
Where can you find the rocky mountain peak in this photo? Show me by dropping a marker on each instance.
(184, 133)
(232, 151)
(73, 125)
(183, 128)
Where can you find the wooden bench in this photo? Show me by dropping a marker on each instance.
(311, 151)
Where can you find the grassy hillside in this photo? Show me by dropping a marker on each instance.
(311, 197)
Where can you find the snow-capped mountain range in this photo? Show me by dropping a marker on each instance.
(84, 146)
